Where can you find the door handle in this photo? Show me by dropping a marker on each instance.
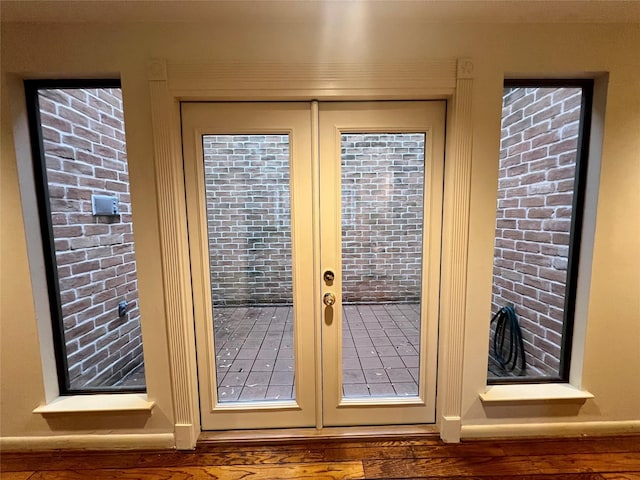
(329, 299)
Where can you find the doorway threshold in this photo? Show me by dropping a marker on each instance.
(292, 435)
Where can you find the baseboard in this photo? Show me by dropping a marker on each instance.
(550, 429)
(143, 441)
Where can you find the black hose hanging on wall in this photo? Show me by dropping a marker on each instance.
(508, 330)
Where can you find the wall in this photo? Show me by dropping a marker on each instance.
(248, 218)
(382, 189)
(609, 348)
(249, 225)
(533, 220)
(84, 145)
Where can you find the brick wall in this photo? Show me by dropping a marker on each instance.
(249, 218)
(84, 143)
(535, 195)
(248, 214)
(382, 190)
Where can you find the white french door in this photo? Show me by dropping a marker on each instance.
(314, 235)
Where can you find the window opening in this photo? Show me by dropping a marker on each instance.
(82, 185)
(542, 176)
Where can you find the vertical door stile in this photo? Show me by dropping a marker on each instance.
(315, 183)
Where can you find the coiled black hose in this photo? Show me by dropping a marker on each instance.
(508, 330)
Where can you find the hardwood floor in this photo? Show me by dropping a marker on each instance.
(593, 458)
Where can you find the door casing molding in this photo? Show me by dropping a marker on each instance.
(170, 84)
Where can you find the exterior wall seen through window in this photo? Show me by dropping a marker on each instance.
(536, 212)
(83, 142)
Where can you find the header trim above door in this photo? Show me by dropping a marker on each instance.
(324, 81)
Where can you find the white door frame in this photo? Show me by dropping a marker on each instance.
(169, 84)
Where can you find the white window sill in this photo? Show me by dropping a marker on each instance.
(533, 393)
(126, 402)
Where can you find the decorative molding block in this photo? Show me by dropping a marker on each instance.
(465, 68)
(450, 428)
(186, 436)
(157, 70)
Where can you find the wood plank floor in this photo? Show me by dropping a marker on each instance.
(426, 457)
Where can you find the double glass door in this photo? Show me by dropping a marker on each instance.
(314, 234)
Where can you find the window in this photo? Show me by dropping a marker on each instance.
(542, 176)
(82, 185)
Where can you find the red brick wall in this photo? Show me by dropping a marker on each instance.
(249, 218)
(84, 143)
(248, 213)
(535, 195)
(382, 212)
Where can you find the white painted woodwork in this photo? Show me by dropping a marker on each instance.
(455, 254)
(124, 402)
(175, 257)
(537, 392)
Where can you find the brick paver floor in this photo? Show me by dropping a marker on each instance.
(254, 351)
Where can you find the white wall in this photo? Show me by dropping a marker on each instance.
(611, 354)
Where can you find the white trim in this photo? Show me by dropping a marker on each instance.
(457, 195)
(450, 428)
(312, 81)
(186, 436)
(550, 429)
(110, 402)
(175, 255)
(136, 441)
(315, 212)
(533, 392)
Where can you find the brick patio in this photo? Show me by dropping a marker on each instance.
(254, 351)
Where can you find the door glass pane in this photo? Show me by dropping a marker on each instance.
(249, 232)
(382, 217)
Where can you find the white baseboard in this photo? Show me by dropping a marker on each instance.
(89, 442)
(550, 429)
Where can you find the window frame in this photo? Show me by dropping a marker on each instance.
(577, 220)
(32, 88)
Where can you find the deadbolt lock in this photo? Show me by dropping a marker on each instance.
(329, 276)
(329, 299)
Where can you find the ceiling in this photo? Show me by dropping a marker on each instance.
(311, 11)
